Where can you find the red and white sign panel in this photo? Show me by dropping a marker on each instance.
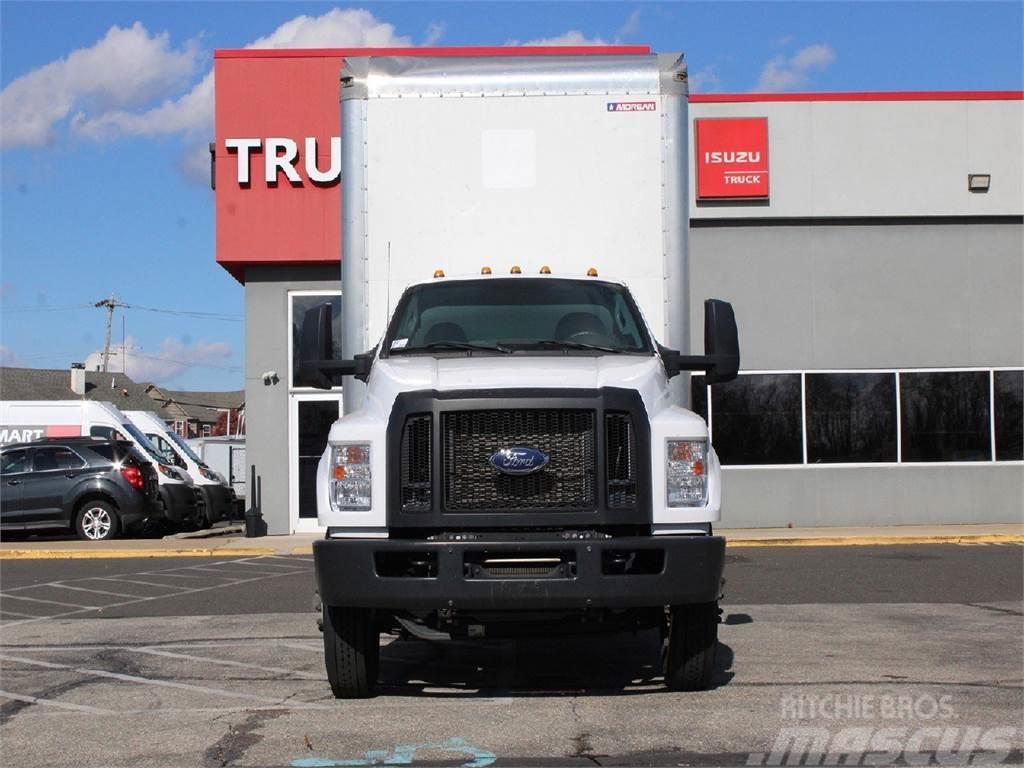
(732, 158)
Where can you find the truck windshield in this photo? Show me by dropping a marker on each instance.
(509, 315)
(144, 441)
(186, 448)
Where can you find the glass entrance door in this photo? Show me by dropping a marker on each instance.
(310, 420)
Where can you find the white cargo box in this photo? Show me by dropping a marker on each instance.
(569, 162)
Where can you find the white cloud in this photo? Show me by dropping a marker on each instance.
(194, 163)
(435, 31)
(782, 74)
(704, 79)
(630, 26)
(173, 358)
(9, 357)
(193, 112)
(127, 67)
(572, 37)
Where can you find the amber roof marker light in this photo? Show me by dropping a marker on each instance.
(485, 270)
(515, 270)
(438, 273)
(545, 270)
(592, 272)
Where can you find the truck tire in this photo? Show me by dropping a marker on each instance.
(690, 647)
(351, 651)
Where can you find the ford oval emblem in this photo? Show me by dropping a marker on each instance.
(519, 461)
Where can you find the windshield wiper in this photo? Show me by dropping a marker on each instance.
(555, 343)
(442, 345)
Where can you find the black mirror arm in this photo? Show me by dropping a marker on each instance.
(321, 373)
(675, 363)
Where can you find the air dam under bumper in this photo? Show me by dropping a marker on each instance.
(496, 575)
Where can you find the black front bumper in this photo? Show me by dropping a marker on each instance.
(179, 502)
(220, 501)
(354, 573)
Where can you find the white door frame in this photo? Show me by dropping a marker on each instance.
(296, 523)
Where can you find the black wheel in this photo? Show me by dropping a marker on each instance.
(351, 651)
(97, 521)
(690, 646)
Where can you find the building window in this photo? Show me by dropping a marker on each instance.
(1008, 388)
(851, 417)
(944, 416)
(206, 430)
(757, 419)
(300, 304)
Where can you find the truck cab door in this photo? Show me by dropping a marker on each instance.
(14, 467)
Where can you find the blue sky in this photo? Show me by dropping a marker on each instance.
(102, 152)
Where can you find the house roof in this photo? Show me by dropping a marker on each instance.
(200, 406)
(55, 384)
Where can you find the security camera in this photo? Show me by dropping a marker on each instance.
(270, 377)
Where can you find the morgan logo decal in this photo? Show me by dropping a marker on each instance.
(519, 461)
(632, 106)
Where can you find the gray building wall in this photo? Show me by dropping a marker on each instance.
(883, 294)
(267, 330)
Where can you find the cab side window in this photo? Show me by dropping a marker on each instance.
(104, 432)
(57, 457)
(14, 462)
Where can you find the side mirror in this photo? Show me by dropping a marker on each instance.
(721, 358)
(721, 341)
(316, 349)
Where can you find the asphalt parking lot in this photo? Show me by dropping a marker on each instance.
(825, 654)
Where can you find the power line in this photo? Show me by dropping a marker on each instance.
(190, 313)
(197, 314)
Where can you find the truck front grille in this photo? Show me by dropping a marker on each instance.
(471, 483)
(416, 464)
(621, 458)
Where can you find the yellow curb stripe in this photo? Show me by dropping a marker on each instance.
(877, 541)
(98, 554)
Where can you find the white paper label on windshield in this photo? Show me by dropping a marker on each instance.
(399, 343)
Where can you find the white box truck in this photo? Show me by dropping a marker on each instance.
(218, 496)
(23, 421)
(515, 454)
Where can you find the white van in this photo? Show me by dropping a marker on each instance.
(217, 493)
(28, 420)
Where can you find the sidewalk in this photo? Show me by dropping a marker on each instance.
(234, 544)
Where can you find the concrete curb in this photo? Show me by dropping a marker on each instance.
(876, 541)
(307, 549)
(116, 554)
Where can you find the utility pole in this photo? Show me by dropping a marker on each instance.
(111, 304)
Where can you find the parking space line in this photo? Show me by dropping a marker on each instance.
(262, 563)
(169, 575)
(178, 593)
(301, 647)
(39, 600)
(140, 680)
(137, 581)
(52, 703)
(59, 585)
(228, 663)
(5, 612)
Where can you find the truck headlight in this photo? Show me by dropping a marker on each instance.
(686, 477)
(350, 476)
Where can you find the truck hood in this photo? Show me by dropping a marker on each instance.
(394, 375)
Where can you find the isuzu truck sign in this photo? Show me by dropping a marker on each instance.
(732, 158)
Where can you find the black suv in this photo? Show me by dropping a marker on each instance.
(99, 487)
